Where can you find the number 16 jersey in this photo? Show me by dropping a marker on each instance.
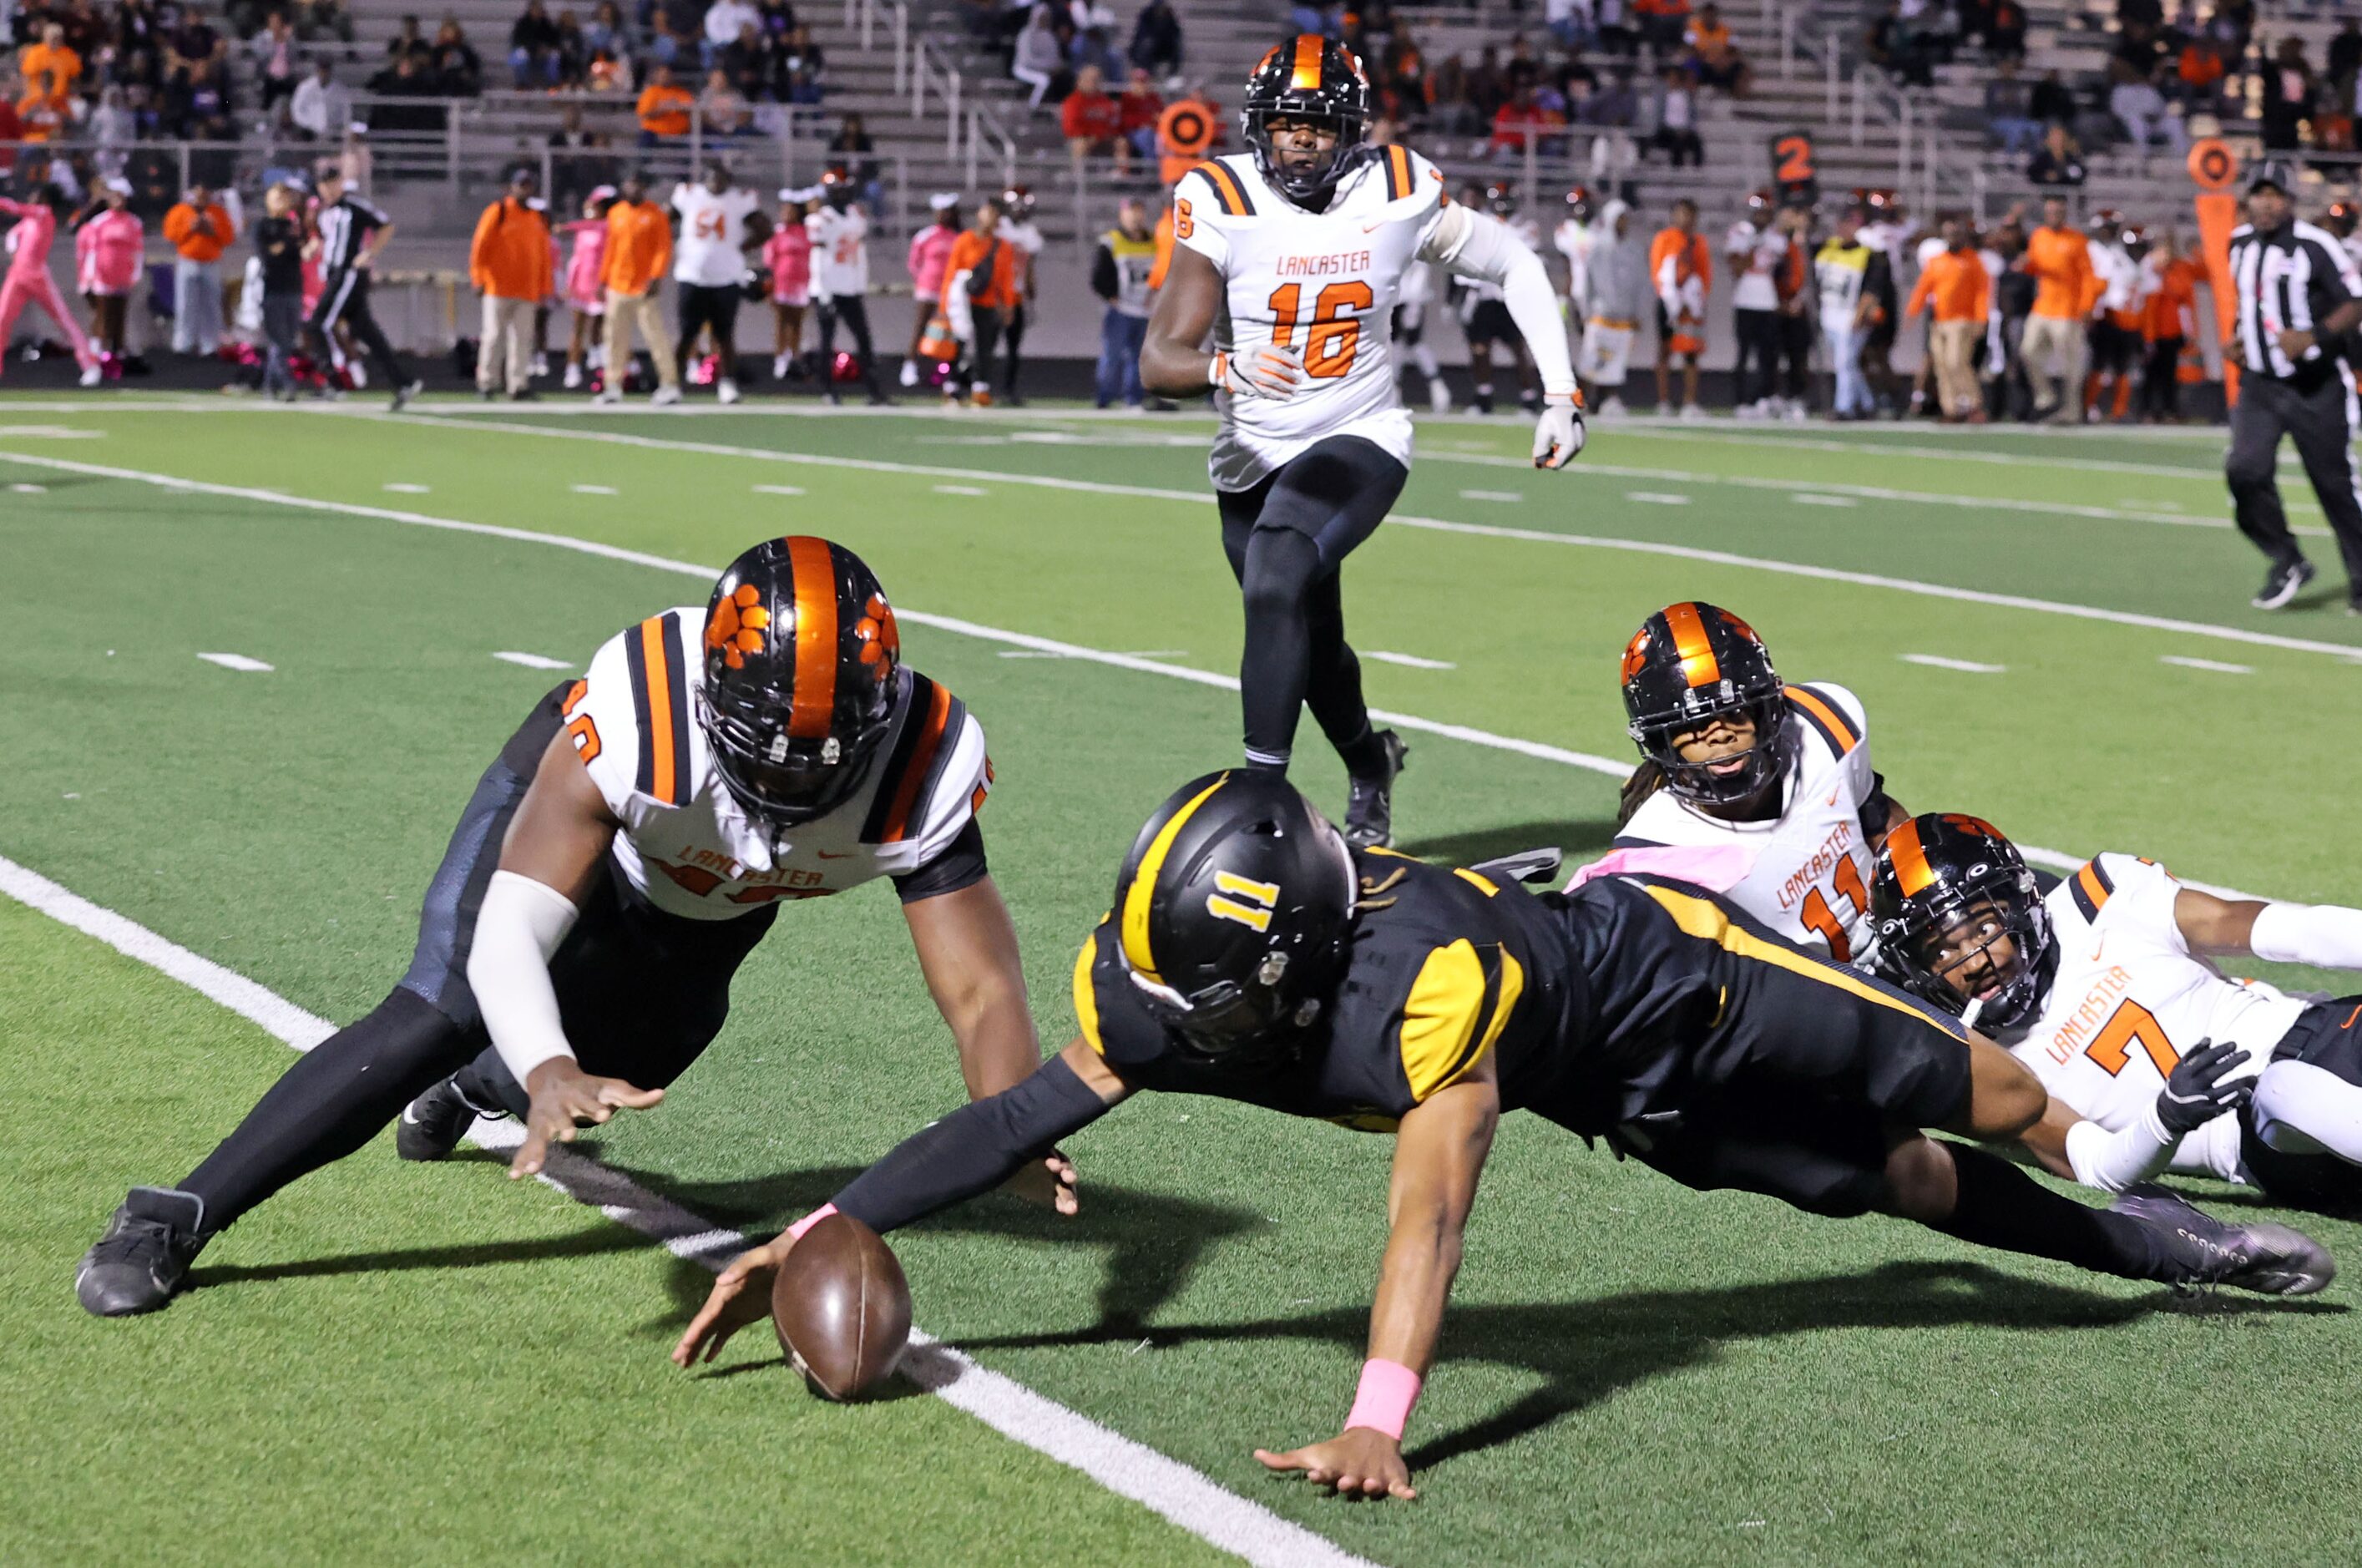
(1324, 284)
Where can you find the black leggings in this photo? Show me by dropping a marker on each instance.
(1013, 338)
(2160, 387)
(853, 310)
(701, 307)
(1287, 538)
(1759, 354)
(987, 345)
(1795, 344)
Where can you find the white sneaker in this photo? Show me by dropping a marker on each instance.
(1754, 411)
(1613, 408)
(359, 372)
(91, 373)
(573, 375)
(779, 367)
(540, 366)
(610, 396)
(1691, 413)
(664, 397)
(728, 390)
(1439, 397)
(1795, 413)
(910, 376)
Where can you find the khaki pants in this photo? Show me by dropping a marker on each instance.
(1954, 346)
(507, 342)
(2052, 350)
(623, 312)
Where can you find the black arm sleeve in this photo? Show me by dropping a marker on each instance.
(1103, 278)
(973, 1150)
(960, 865)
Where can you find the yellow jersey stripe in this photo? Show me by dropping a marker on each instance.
(1137, 896)
(1442, 1041)
(1086, 1000)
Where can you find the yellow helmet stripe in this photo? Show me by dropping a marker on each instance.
(1143, 884)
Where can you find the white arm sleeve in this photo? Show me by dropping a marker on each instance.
(518, 927)
(2114, 1161)
(958, 309)
(2323, 935)
(1481, 246)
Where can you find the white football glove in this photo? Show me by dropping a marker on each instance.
(1268, 371)
(1559, 435)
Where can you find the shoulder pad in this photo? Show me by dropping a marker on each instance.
(631, 717)
(2102, 877)
(912, 781)
(1830, 711)
(1218, 178)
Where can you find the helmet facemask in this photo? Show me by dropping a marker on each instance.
(780, 780)
(1946, 929)
(1714, 782)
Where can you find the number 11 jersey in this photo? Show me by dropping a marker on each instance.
(1324, 284)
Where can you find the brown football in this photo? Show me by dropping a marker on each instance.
(842, 1309)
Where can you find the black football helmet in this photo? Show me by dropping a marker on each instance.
(2340, 218)
(1234, 909)
(1501, 199)
(802, 656)
(1947, 887)
(1686, 665)
(1016, 202)
(1310, 80)
(837, 187)
(1579, 205)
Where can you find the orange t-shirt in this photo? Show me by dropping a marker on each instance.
(2169, 310)
(49, 73)
(2060, 262)
(509, 258)
(1670, 244)
(663, 110)
(993, 268)
(180, 228)
(1957, 284)
(639, 247)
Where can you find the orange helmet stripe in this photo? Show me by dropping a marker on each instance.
(1699, 665)
(1308, 61)
(815, 694)
(1911, 869)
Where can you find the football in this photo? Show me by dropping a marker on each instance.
(842, 1309)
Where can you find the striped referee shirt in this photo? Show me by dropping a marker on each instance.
(2289, 280)
(345, 226)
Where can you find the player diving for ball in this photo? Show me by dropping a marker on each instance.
(628, 850)
(2154, 1060)
(1759, 791)
(1252, 954)
(1293, 257)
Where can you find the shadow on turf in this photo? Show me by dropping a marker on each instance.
(1577, 840)
(1591, 1350)
(588, 1243)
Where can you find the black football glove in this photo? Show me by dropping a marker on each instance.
(2202, 1088)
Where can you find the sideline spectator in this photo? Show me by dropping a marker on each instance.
(2288, 89)
(929, 258)
(1615, 288)
(787, 255)
(1156, 39)
(1956, 292)
(638, 253)
(509, 264)
(979, 291)
(107, 245)
(723, 20)
(274, 49)
(664, 112)
(1120, 270)
(720, 222)
(1681, 270)
(1676, 131)
(586, 293)
(49, 69)
(2058, 161)
(535, 59)
(199, 228)
(320, 108)
(1092, 122)
(2168, 323)
(723, 108)
(278, 246)
(2140, 108)
(1714, 59)
(2058, 259)
(1842, 268)
(28, 280)
(1038, 60)
(1140, 108)
(458, 69)
(2009, 110)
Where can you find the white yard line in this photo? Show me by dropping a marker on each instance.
(1164, 1486)
(1408, 661)
(2213, 664)
(534, 660)
(237, 661)
(1938, 661)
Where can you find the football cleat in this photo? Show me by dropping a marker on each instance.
(144, 1253)
(1369, 802)
(2273, 1260)
(2282, 583)
(436, 1121)
(402, 395)
(664, 397)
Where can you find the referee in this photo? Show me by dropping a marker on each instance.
(2298, 294)
(348, 234)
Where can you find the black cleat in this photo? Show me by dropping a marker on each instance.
(141, 1261)
(2200, 1250)
(1369, 804)
(2282, 583)
(402, 395)
(432, 1125)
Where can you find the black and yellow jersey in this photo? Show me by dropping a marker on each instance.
(1445, 967)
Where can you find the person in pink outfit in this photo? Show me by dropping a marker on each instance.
(109, 246)
(28, 280)
(586, 296)
(931, 252)
(787, 255)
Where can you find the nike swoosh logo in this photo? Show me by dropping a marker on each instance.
(1372, 227)
(2095, 949)
(1833, 796)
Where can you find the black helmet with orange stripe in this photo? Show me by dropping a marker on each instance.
(1233, 910)
(1689, 665)
(801, 657)
(1960, 919)
(1308, 81)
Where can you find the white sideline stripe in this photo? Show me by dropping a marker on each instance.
(1657, 497)
(778, 490)
(29, 489)
(407, 489)
(960, 490)
(595, 490)
(1439, 524)
(1938, 661)
(2213, 664)
(1164, 1486)
(234, 661)
(1050, 645)
(1803, 497)
(533, 660)
(1492, 495)
(1409, 661)
(52, 432)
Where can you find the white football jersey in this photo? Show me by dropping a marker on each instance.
(840, 260)
(1808, 870)
(2129, 998)
(689, 848)
(1756, 256)
(1324, 284)
(1573, 241)
(711, 251)
(2115, 268)
(1025, 239)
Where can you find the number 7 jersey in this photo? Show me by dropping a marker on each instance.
(1324, 284)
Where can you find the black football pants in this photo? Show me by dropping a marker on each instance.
(853, 310)
(1754, 376)
(1012, 354)
(2322, 423)
(1287, 538)
(346, 299)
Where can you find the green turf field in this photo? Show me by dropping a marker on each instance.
(394, 1363)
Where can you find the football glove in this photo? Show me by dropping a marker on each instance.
(2200, 1087)
(1267, 372)
(1559, 435)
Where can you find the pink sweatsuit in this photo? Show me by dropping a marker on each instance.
(28, 280)
(107, 253)
(931, 252)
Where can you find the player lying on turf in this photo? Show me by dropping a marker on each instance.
(1252, 954)
(1761, 791)
(2105, 989)
(613, 867)
(1293, 258)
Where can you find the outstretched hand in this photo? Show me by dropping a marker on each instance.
(2200, 1087)
(1360, 1462)
(565, 1100)
(742, 1295)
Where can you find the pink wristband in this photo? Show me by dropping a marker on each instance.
(1383, 1403)
(796, 1231)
